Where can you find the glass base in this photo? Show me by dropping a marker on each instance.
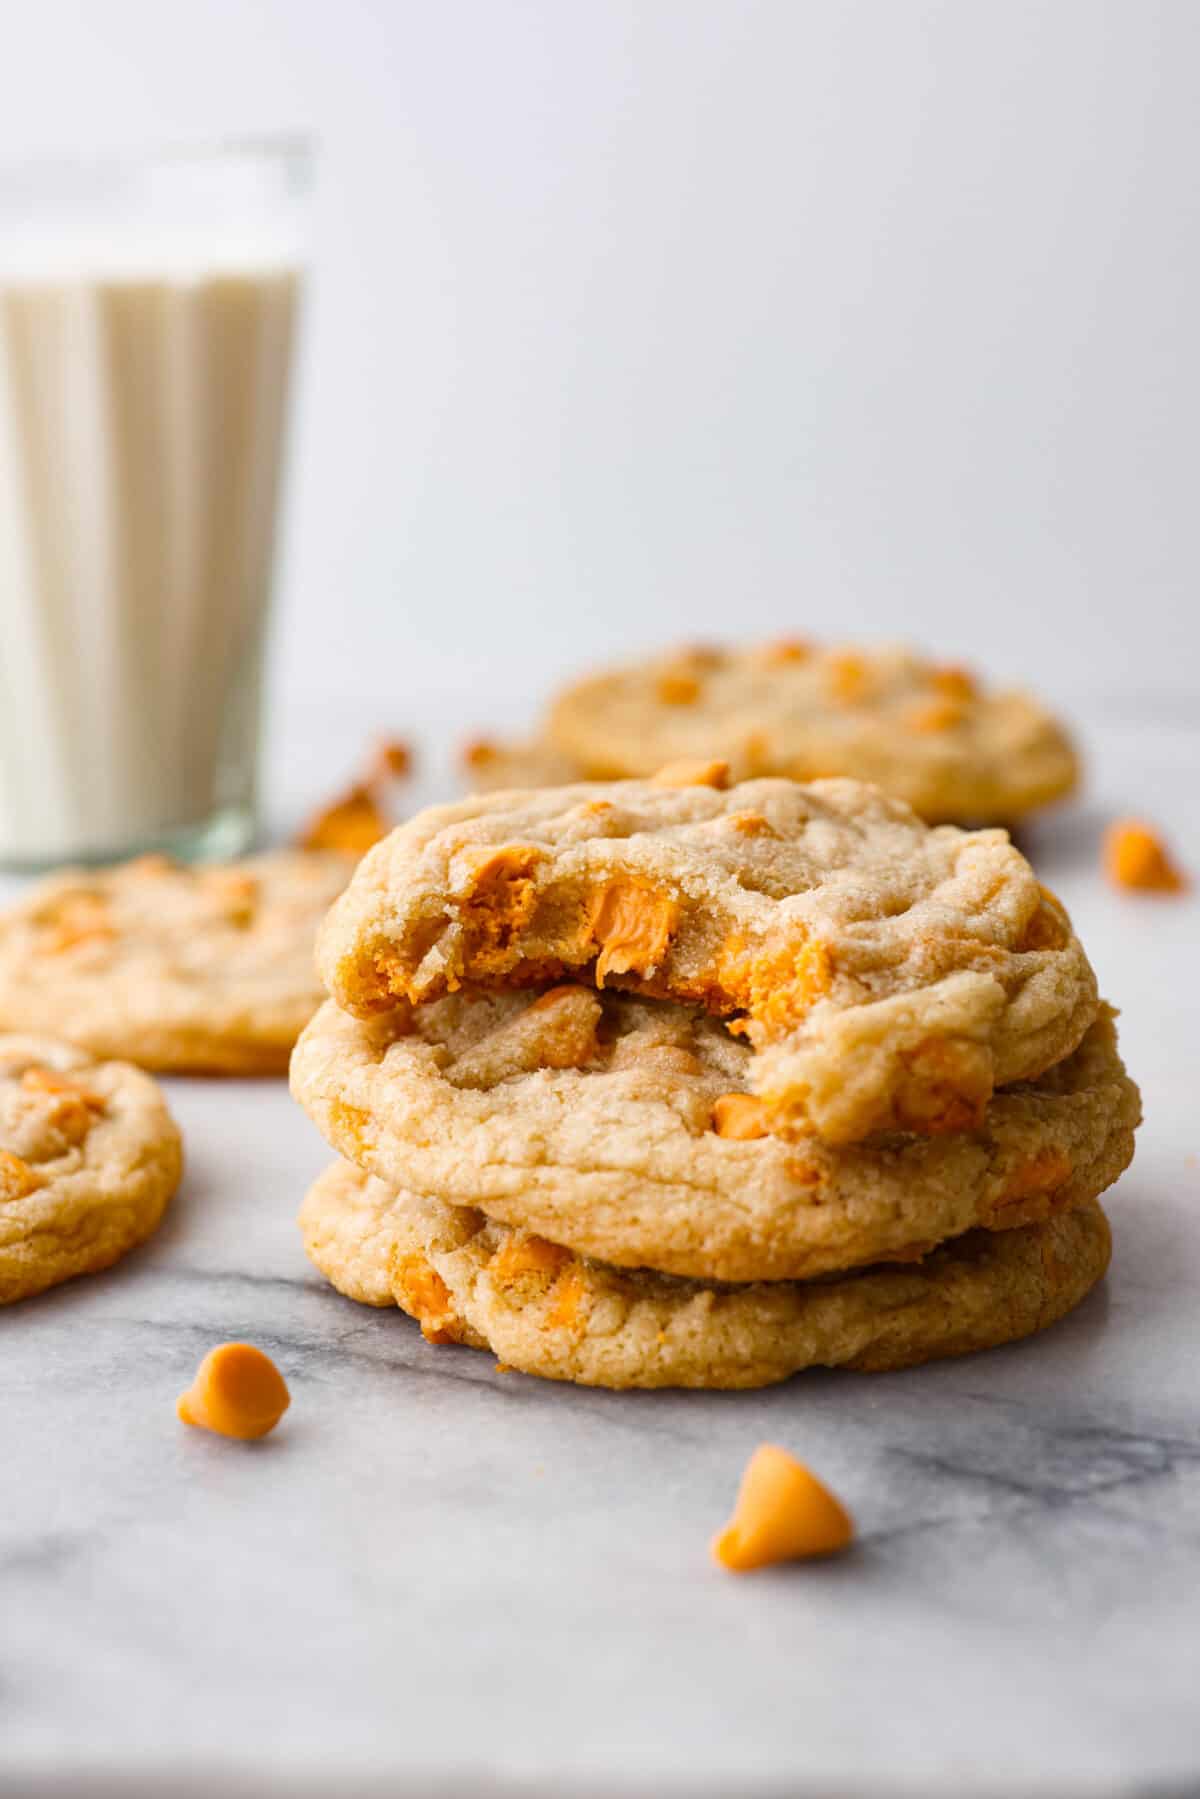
(228, 833)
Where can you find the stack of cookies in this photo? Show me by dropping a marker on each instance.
(682, 1083)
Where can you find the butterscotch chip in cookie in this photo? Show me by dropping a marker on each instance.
(200, 969)
(89, 1157)
(623, 1138)
(930, 734)
(889, 974)
(470, 1280)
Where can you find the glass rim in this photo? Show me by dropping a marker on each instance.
(294, 148)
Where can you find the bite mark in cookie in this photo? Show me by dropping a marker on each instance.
(890, 975)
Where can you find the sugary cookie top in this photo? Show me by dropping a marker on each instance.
(88, 1158)
(894, 972)
(621, 1127)
(171, 966)
(928, 732)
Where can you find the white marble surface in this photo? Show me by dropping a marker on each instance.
(436, 1578)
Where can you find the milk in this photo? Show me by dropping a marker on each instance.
(141, 433)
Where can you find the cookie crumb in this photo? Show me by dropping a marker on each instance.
(1136, 856)
(783, 1513)
(238, 1392)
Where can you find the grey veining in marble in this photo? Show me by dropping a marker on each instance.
(436, 1578)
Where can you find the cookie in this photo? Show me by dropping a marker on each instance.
(890, 974)
(603, 1122)
(930, 734)
(489, 764)
(89, 1157)
(197, 970)
(546, 1312)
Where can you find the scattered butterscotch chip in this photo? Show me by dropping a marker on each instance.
(1136, 856)
(783, 1513)
(238, 1392)
(393, 759)
(480, 752)
(690, 772)
(352, 824)
(358, 820)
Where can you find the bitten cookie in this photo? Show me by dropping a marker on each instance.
(889, 975)
(89, 1157)
(620, 1127)
(546, 1312)
(196, 970)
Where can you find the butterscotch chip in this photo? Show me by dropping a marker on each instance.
(350, 825)
(941, 714)
(849, 676)
(619, 1154)
(89, 1157)
(691, 773)
(783, 1513)
(954, 682)
(238, 1392)
(631, 921)
(784, 649)
(871, 955)
(392, 759)
(425, 1296)
(580, 1320)
(930, 734)
(676, 689)
(740, 1116)
(1136, 856)
(196, 969)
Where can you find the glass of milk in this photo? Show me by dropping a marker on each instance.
(147, 311)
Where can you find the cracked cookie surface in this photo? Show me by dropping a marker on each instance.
(89, 1157)
(191, 969)
(620, 1128)
(928, 733)
(546, 1312)
(888, 974)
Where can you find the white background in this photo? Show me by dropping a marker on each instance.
(638, 319)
